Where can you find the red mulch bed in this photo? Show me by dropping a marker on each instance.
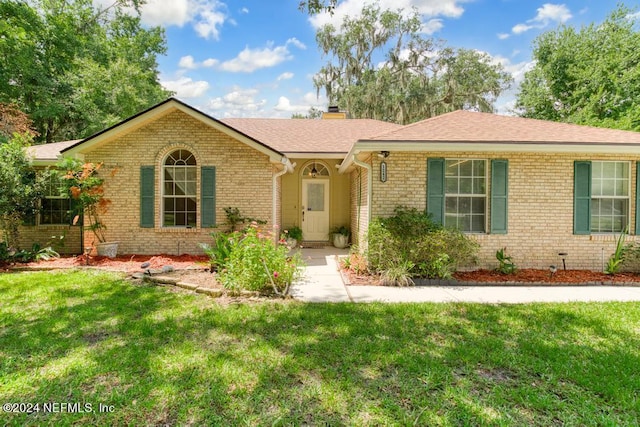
(523, 276)
(127, 263)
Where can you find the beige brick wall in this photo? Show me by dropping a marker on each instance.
(244, 179)
(540, 206)
(48, 235)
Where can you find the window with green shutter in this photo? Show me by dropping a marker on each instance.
(582, 197)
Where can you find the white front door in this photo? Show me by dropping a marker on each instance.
(315, 209)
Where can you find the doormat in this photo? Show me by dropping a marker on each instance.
(314, 245)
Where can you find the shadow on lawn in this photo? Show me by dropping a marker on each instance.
(170, 358)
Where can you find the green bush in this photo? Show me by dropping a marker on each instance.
(220, 252)
(256, 263)
(411, 239)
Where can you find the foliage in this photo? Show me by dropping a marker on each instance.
(617, 258)
(317, 6)
(84, 186)
(36, 253)
(410, 237)
(588, 76)
(235, 219)
(415, 79)
(313, 114)
(342, 230)
(398, 275)
(76, 67)
(184, 359)
(12, 121)
(256, 263)
(294, 233)
(355, 262)
(20, 187)
(220, 252)
(506, 264)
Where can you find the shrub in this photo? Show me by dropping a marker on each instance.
(505, 263)
(220, 252)
(411, 240)
(617, 258)
(255, 263)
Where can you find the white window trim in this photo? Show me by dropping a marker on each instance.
(485, 195)
(162, 192)
(627, 197)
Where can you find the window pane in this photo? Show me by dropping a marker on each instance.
(180, 174)
(466, 186)
(478, 186)
(315, 197)
(608, 187)
(623, 170)
(464, 223)
(464, 205)
(451, 168)
(478, 167)
(466, 168)
(477, 223)
(191, 174)
(451, 185)
(181, 218)
(191, 219)
(478, 205)
(608, 169)
(191, 204)
(451, 205)
(169, 219)
(191, 188)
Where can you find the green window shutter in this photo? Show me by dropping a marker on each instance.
(147, 196)
(499, 196)
(208, 196)
(582, 197)
(435, 189)
(637, 198)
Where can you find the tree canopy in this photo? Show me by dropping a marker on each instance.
(75, 68)
(589, 76)
(381, 66)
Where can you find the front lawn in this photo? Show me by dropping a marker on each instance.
(157, 357)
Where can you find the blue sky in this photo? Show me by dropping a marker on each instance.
(256, 58)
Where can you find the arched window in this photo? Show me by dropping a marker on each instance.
(179, 190)
(314, 170)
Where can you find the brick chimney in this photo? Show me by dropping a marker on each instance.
(334, 113)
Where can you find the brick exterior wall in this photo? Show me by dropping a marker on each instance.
(244, 179)
(540, 206)
(44, 236)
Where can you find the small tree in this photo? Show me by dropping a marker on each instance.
(20, 187)
(83, 185)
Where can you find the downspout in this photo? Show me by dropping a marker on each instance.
(369, 190)
(288, 167)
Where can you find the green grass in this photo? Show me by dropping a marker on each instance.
(169, 358)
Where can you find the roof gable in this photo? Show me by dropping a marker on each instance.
(160, 110)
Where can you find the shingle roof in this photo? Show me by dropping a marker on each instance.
(310, 136)
(50, 151)
(468, 126)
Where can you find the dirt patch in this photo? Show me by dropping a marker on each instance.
(126, 263)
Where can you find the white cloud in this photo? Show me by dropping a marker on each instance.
(206, 16)
(210, 63)
(244, 10)
(185, 87)
(426, 8)
(250, 60)
(505, 104)
(547, 14)
(633, 16)
(187, 62)
(503, 36)
(302, 106)
(432, 26)
(285, 76)
(239, 102)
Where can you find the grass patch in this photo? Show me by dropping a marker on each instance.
(161, 357)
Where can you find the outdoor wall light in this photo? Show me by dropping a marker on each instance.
(383, 154)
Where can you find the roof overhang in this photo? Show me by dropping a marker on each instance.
(315, 155)
(158, 111)
(362, 147)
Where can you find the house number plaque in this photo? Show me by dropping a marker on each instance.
(383, 171)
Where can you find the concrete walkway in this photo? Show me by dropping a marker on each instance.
(322, 283)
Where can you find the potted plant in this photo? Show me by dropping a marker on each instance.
(293, 236)
(86, 190)
(341, 237)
